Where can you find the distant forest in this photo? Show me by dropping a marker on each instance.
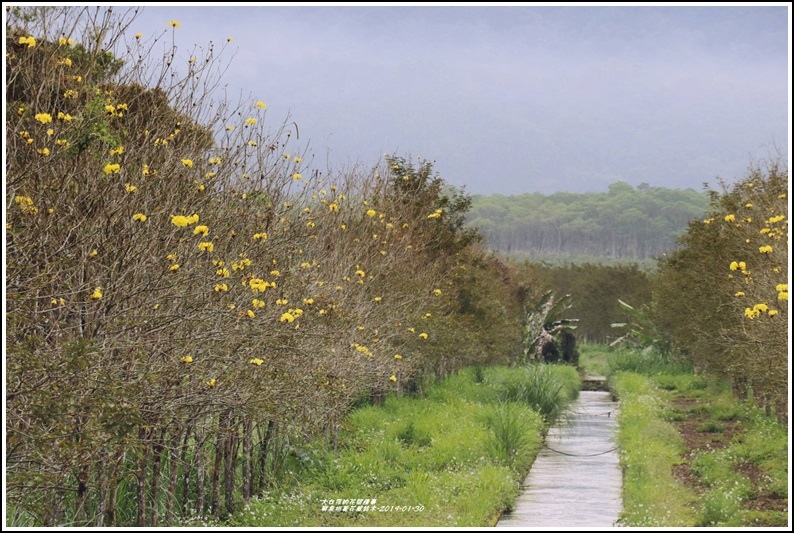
(625, 223)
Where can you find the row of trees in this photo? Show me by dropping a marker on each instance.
(623, 223)
(722, 298)
(187, 297)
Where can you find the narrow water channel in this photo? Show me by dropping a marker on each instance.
(576, 479)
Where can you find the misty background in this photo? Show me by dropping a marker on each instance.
(513, 99)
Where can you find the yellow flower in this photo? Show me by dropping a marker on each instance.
(261, 105)
(174, 23)
(371, 212)
(782, 287)
(179, 221)
(398, 356)
(782, 296)
(138, 35)
(282, 301)
(174, 267)
(298, 160)
(734, 265)
(212, 382)
(772, 312)
(44, 118)
(206, 246)
(287, 317)
(250, 313)
(93, 253)
(423, 335)
(750, 313)
(229, 39)
(70, 93)
(25, 203)
(748, 205)
(139, 217)
(112, 168)
(761, 307)
(730, 218)
(333, 207)
(393, 378)
(377, 298)
(130, 188)
(260, 236)
(221, 287)
(44, 151)
(360, 273)
(50, 131)
(215, 160)
(256, 361)
(296, 176)
(110, 109)
(250, 121)
(201, 230)
(186, 359)
(117, 151)
(742, 266)
(171, 257)
(765, 249)
(257, 303)
(97, 294)
(145, 170)
(187, 162)
(29, 40)
(437, 292)
(739, 294)
(192, 219)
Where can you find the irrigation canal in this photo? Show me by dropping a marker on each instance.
(576, 479)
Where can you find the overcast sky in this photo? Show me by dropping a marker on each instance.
(515, 99)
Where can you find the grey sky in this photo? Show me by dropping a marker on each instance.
(516, 99)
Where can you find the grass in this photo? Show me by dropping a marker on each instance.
(593, 359)
(650, 446)
(452, 458)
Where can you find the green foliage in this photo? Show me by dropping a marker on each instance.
(458, 454)
(649, 447)
(626, 222)
(547, 389)
(511, 432)
(648, 361)
(596, 291)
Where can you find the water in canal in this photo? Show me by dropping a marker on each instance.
(576, 479)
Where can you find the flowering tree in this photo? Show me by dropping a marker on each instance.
(184, 292)
(723, 297)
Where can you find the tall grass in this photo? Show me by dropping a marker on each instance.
(511, 432)
(548, 389)
(458, 454)
(648, 362)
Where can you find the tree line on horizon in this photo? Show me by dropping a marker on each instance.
(624, 223)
